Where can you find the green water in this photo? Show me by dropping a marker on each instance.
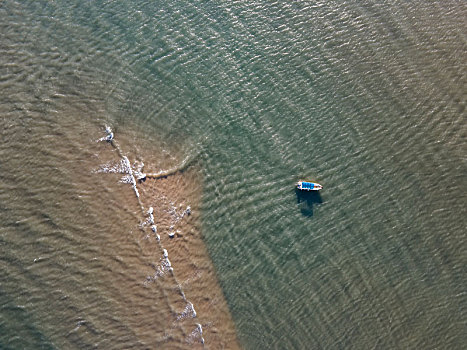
(366, 98)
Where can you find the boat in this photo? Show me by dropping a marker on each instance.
(308, 186)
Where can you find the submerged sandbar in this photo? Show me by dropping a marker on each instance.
(182, 271)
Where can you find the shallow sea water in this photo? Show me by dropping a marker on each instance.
(367, 98)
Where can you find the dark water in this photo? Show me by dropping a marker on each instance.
(367, 98)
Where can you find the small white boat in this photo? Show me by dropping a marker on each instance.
(308, 186)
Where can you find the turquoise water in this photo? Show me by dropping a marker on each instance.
(367, 98)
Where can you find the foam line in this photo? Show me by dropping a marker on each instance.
(196, 334)
(165, 264)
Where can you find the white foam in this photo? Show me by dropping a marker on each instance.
(151, 216)
(126, 179)
(139, 175)
(138, 171)
(189, 311)
(109, 135)
(200, 331)
(168, 264)
(119, 167)
(164, 266)
(196, 334)
(129, 170)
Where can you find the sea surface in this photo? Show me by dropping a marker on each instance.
(244, 98)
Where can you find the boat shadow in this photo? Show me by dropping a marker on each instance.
(306, 200)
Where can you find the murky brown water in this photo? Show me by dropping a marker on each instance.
(83, 240)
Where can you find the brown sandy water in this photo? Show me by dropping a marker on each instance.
(193, 271)
(77, 260)
(197, 311)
